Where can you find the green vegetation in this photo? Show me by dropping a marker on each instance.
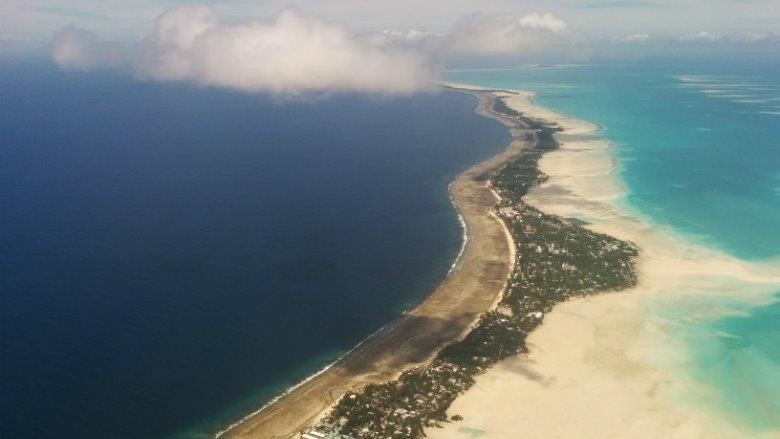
(499, 106)
(521, 174)
(555, 259)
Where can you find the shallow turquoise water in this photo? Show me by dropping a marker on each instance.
(742, 353)
(734, 348)
(697, 144)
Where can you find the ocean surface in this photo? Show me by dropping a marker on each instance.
(698, 146)
(172, 256)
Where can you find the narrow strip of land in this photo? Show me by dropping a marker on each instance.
(447, 314)
(556, 259)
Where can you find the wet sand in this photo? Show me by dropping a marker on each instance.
(472, 288)
(608, 366)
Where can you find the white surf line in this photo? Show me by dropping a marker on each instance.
(465, 235)
(287, 391)
(454, 265)
(290, 389)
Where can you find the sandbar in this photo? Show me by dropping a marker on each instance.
(609, 365)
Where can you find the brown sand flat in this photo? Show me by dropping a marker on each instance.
(413, 339)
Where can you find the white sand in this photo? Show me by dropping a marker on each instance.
(609, 366)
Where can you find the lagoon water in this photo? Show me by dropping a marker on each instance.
(173, 256)
(698, 147)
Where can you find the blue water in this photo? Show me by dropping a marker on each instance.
(743, 359)
(706, 163)
(171, 256)
(698, 146)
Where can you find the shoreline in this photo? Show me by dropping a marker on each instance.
(624, 336)
(548, 249)
(454, 266)
(474, 284)
(616, 365)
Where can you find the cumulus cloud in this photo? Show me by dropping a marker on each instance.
(500, 34)
(75, 48)
(546, 22)
(292, 54)
(419, 41)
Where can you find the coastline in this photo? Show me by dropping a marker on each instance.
(612, 360)
(556, 259)
(617, 367)
(474, 284)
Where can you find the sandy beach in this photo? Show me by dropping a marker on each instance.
(599, 366)
(608, 365)
(473, 287)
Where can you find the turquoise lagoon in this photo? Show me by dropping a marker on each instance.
(698, 150)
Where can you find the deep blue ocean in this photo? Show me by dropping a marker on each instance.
(172, 256)
(698, 143)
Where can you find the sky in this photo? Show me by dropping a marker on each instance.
(374, 46)
(125, 19)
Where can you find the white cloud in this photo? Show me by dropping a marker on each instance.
(178, 28)
(633, 38)
(500, 34)
(292, 54)
(77, 49)
(411, 35)
(546, 21)
(755, 37)
(419, 41)
(702, 36)
(74, 48)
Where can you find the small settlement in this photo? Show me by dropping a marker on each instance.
(556, 258)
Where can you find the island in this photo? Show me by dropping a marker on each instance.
(517, 264)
